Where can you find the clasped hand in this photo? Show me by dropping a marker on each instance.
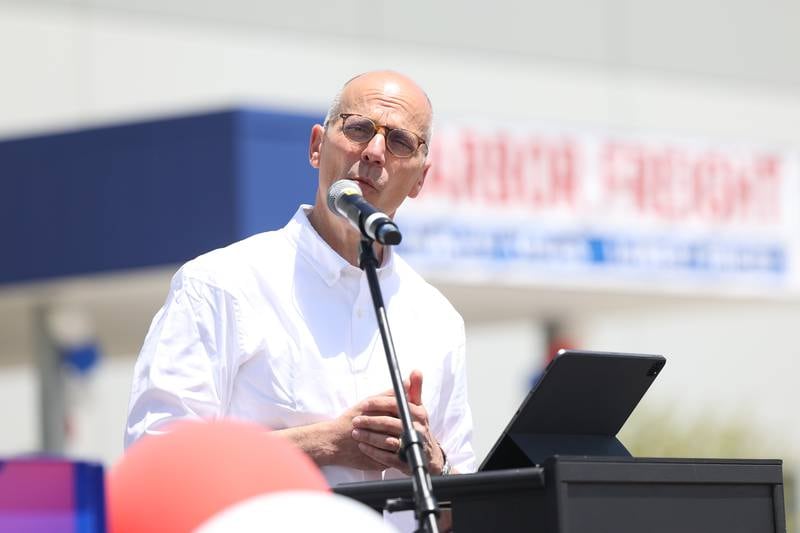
(376, 429)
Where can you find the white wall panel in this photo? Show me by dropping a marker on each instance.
(72, 65)
(19, 404)
(98, 409)
(502, 359)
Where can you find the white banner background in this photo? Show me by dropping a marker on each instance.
(542, 204)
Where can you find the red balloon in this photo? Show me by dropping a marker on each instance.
(175, 481)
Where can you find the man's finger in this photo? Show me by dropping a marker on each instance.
(380, 404)
(388, 425)
(415, 387)
(388, 459)
(387, 406)
(378, 440)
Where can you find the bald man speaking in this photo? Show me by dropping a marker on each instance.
(279, 329)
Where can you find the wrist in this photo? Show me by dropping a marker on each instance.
(312, 440)
(446, 467)
(324, 444)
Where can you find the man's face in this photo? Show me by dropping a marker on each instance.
(385, 179)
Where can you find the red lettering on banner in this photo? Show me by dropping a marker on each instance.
(489, 170)
(661, 182)
(565, 172)
(768, 188)
(450, 176)
(503, 171)
(624, 174)
(666, 201)
(546, 174)
(470, 164)
(674, 184)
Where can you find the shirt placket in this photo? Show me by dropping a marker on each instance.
(364, 335)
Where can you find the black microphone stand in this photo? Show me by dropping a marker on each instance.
(411, 451)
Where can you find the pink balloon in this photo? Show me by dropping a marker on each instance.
(175, 481)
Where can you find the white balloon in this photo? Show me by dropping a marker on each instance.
(298, 512)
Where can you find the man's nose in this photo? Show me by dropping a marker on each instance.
(375, 151)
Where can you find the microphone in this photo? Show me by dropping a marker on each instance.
(346, 200)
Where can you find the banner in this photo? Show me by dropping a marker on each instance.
(537, 204)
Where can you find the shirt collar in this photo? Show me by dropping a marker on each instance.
(325, 260)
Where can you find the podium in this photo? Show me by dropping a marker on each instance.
(582, 494)
(559, 468)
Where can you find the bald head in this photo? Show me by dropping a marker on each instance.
(392, 87)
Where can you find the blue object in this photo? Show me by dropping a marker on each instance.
(81, 358)
(149, 193)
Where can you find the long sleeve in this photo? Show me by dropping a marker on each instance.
(188, 361)
(456, 413)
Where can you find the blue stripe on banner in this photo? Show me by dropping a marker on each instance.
(597, 250)
(432, 242)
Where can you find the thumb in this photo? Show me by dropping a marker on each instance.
(415, 387)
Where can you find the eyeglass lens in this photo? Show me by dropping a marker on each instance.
(401, 143)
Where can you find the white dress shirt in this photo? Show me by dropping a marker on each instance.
(280, 330)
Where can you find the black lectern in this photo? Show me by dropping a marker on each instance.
(606, 495)
(559, 468)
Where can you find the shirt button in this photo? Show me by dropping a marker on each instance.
(359, 313)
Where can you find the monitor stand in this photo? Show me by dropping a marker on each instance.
(520, 450)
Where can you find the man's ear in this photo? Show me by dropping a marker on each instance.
(315, 144)
(421, 181)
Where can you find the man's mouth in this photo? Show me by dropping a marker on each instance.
(366, 183)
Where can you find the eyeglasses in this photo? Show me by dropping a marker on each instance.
(360, 129)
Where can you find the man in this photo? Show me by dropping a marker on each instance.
(279, 328)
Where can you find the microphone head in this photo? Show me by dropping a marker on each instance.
(340, 188)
